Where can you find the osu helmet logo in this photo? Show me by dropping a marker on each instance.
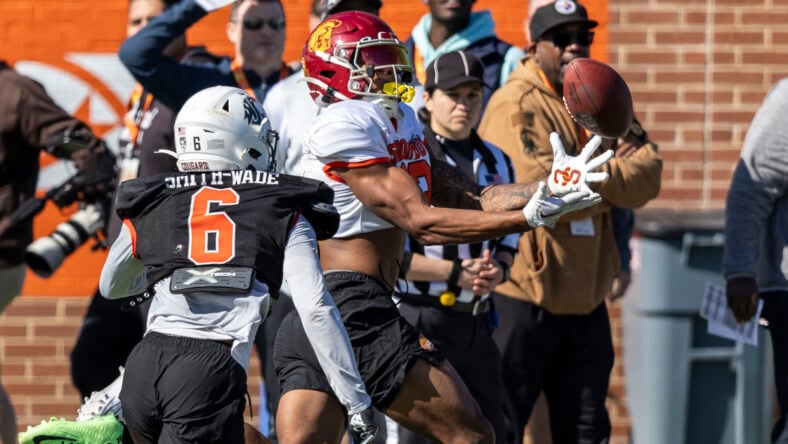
(320, 40)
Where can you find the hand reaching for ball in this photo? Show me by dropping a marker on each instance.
(572, 173)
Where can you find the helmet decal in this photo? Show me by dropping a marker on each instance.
(320, 40)
(252, 113)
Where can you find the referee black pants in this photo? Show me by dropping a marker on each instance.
(569, 357)
(775, 310)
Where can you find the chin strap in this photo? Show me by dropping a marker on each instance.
(167, 152)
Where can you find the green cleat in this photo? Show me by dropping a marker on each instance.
(99, 430)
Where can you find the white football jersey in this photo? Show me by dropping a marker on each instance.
(356, 133)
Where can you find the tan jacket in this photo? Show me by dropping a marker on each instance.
(555, 269)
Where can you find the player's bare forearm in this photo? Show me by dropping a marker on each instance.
(453, 189)
(506, 197)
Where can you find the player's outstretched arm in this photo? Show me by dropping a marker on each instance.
(393, 195)
(569, 174)
(320, 317)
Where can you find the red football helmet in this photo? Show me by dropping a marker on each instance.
(347, 51)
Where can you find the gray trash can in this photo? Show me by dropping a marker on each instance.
(685, 386)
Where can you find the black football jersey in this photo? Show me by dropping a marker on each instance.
(227, 218)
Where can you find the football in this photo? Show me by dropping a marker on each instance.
(597, 97)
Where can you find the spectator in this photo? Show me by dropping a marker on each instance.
(755, 258)
(108, 333)
(256, 29)
(447, 297)
(451, 26)
(369, 148)
(31, 122)
(190, 367)
(554, 330)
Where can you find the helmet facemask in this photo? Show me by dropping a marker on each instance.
(385, 57)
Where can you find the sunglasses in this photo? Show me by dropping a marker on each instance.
(253, 24)
(563, 39)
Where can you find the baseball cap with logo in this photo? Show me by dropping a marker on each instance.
(453, 69)
(329, 7)
(555, 14)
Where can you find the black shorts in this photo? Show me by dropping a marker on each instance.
(385, 345)
(179, 389)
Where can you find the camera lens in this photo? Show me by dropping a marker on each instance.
(46, 254)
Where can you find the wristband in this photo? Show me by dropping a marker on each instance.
(506, 270)
(456, 269)
(404, 266)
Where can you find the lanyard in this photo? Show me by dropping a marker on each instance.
(418, 65)
(133, 119)
(243, 82)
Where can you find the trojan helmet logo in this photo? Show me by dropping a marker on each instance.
(320, 40)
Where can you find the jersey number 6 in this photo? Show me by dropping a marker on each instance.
(211, 233)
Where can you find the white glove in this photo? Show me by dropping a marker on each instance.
(571, 174)
(213, 5)
(362, 427)
(546, 210)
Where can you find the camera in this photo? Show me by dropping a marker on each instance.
(47, 253)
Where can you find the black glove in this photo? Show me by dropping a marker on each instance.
(97, 175)
(742, 295)
(636, 135)
(362, 427)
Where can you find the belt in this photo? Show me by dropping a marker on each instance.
(448, 302)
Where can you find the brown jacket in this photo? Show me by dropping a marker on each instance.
(29, 119)
(559, 271)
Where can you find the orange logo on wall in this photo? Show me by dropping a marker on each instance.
(71, 49)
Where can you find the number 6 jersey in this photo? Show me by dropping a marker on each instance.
(226, 218)
(208, 226)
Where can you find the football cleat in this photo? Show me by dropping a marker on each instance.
(103, 402)
(99, 430)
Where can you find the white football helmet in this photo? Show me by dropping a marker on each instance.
(224, 128)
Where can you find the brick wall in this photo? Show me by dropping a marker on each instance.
(697, 69)
(36, 337)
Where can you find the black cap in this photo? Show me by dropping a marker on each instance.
(453, 69)
(558, 13)
(329, 7)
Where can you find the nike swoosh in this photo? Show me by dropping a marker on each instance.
(41, 439)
